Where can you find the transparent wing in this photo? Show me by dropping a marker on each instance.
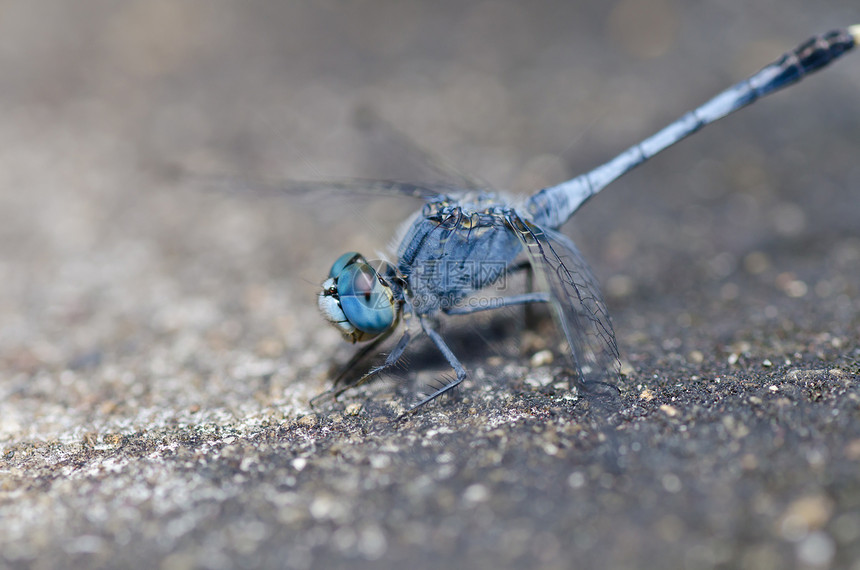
(402, 150)
(579, 308)
(238, 184)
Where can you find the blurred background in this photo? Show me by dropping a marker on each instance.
(128, 294)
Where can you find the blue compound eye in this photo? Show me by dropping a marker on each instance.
(343, 261)
(366, 301)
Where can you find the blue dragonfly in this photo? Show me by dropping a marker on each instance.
(462, 241)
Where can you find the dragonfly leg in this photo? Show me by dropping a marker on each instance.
(499, 302)
(390, 361)
(528, 310)
(521, 265)
(359, 356)
(452, 360)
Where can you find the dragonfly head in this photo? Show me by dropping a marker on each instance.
(358, 298)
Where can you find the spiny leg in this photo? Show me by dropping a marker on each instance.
(521, 265)
(359, 356)
(452, 360)
(390, 361)
(529, 313)
(499, 302)
(528, 310)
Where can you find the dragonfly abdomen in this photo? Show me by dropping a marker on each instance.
(552, 206)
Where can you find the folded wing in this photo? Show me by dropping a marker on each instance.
(578, 306)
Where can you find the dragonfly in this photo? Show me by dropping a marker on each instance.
(463, 241)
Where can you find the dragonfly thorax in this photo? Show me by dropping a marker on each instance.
(360, 300)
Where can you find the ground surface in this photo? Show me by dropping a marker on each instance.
(159, 341)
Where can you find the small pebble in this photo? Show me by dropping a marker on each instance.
(576, 480)
(805, 515)
(816, 550)
(476, 493)
(309, 420)
(670, 411)
(299, 463)
(852, 449)
(541, 358)
(671, 482)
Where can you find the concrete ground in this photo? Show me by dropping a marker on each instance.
(159, 339)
